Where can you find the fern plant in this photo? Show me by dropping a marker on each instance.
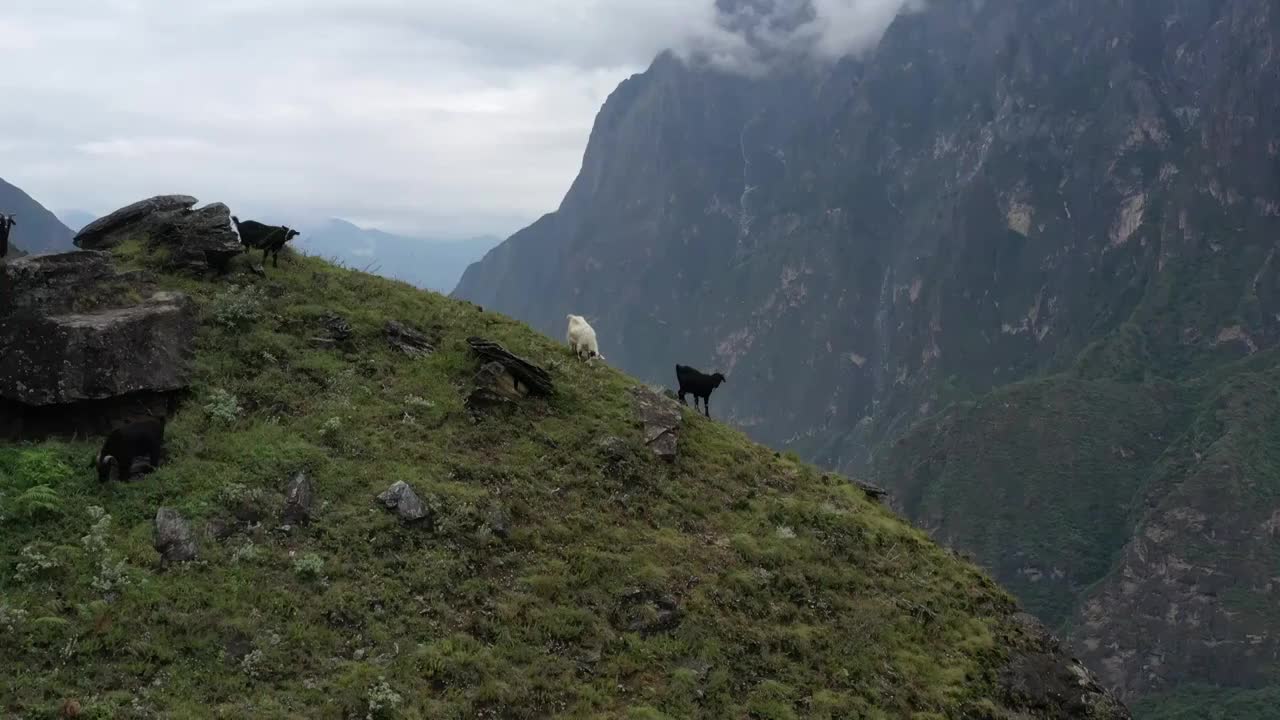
(38, 500)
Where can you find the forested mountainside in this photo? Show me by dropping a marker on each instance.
(1019, 252)
(38, 230)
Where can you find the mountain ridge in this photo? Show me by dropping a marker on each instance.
(429, 264)
(38, 230)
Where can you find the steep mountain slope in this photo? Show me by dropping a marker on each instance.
(1147, 512)
(564, 569)
(1001, 191)
(37, 231)
(430, 264)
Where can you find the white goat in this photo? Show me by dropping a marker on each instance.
(582, 338)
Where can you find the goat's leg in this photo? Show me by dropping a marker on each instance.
(706, 405)
(682, 400)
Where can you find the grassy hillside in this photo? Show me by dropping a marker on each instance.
(798, 597)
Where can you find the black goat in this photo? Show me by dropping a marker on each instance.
(699, 385)
(127, 444)
(6, 224)
(269, 238)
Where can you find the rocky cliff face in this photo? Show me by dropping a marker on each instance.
(1000, 191)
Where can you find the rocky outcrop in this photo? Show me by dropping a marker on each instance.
(62, 359)
(529, 379)
(52, 284)
(660, 420)
(108, 231)
(407, 340)
(504, 377)
(78, 353)
(1043, 679)
(195, 240)
(85, 345)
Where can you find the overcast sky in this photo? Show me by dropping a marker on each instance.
(427, 117)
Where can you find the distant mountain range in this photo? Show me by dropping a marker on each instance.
(76, 219)
(38, 230)
(426, 263)
(431, 264)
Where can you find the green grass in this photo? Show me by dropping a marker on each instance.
(800, 598)
(1202, 702)
(1041, 479)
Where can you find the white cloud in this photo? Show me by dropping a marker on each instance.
(413, 115)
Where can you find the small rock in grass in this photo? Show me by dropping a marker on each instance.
(173, 538)
(405, 502)
(499, 523)
(298, 500)
(218, 530)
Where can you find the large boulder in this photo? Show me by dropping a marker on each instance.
(52, 283)
(109, 231)
(79, 352)
(196, 240)
(74, 357)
